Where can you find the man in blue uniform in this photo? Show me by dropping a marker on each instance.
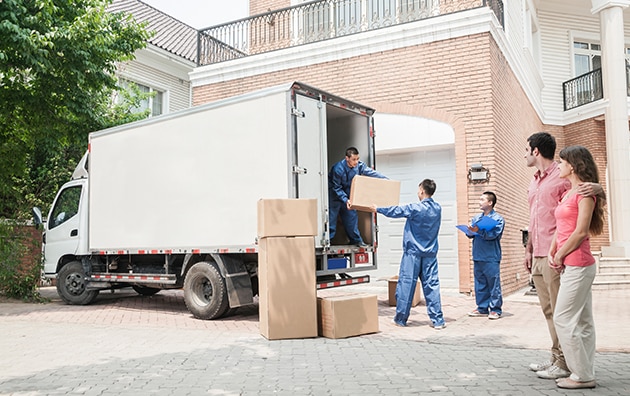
(339, 181)
(486, 253)
(420, 247)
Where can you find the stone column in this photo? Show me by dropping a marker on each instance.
(617, 133)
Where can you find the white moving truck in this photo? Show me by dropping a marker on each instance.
(171, 201)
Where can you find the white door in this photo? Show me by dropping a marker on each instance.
(62, 228)
(411, 168)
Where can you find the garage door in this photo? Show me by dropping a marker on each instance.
(410, 169)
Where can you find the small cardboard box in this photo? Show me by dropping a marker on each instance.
(365, 191)
(393, 282)
(347, 316)
(287, 287)
(287, 217)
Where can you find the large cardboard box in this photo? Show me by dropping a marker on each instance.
(287, 287)
(287, 217)
(347, 316)
(393, 282)
(365, 191)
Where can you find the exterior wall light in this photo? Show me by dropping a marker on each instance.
(478, 174)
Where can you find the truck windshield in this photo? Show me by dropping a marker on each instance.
(66, 207)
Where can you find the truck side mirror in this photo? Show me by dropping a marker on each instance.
(37, 216)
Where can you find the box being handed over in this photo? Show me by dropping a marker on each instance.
(365, 191)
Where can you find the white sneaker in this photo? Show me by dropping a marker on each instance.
(540, 366)
(553, 372)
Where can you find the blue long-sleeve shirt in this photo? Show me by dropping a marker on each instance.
(422, 227)
(486, 246)
(341, 175)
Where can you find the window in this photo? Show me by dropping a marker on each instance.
(154, 102)
(587, 56)
(532, 33)
(66, 207)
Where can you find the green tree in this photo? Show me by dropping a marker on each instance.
(57, 75)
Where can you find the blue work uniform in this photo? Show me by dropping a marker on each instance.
(486, 253)
(339, 181)
(419, 260)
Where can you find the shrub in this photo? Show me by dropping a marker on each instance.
(20, 269)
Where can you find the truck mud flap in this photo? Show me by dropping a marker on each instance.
(237, 280)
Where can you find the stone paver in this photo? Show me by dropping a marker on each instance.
(128, 344)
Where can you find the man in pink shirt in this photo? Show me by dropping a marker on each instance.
(544, 194)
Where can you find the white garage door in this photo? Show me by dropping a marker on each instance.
(411, 149)
(411, 169)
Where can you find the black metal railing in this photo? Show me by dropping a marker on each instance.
(318, 21)
(583, 89)
(587, 88)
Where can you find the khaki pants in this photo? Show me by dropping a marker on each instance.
(547, 282)
(574, 322)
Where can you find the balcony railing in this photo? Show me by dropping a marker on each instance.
(583, 89)
(587, 88)
(318, 21)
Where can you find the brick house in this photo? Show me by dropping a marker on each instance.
(455, 83)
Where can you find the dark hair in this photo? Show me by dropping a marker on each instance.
(544, 142)
(585, 169)
(350, 151)
(492, 197)
(428, 186)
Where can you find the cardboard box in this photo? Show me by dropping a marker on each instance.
(287, 217)
(287, 287)
(347, 316)
(365, 191)
(393, 282)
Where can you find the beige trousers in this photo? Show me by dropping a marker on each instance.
(574, 322)
(547, 282)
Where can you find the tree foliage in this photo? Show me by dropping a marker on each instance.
(57, 76)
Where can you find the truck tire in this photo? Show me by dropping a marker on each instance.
(72, 285)
(145, 290)
(205, 293)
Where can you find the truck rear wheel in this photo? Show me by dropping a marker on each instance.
(205, 293)
(72, 285)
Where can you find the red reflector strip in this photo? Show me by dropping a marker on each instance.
(121, 252)
(223, 250)
(250, 250)
(196, 251)
(343, 282)
(131, 277)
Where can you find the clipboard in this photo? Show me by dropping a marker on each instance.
(464, 228)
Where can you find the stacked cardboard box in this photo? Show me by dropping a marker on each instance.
(286, 268)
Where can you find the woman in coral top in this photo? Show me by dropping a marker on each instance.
(577, 216)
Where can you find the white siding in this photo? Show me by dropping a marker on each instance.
(177, 91)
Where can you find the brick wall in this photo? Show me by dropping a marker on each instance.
(592, 135)
(261, 6)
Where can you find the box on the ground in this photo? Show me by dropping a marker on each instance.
(365, 191)
(287, 217)
(287, 287)
(393, 282)
(347, 316)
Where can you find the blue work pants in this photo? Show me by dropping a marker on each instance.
(412, 267)
(349, 218)
(488, 286)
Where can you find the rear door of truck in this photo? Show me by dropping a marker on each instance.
(310, 162)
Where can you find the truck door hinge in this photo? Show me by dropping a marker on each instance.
(299, 170)
(297, 112)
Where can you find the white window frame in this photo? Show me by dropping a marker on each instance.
(151, 88)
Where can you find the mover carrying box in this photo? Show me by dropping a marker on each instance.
(347, 316)
(365, 191)
(393, 282)
(287, 217)
(287, 287)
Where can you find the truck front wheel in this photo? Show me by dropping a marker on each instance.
(205, 292)
(72, 285)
